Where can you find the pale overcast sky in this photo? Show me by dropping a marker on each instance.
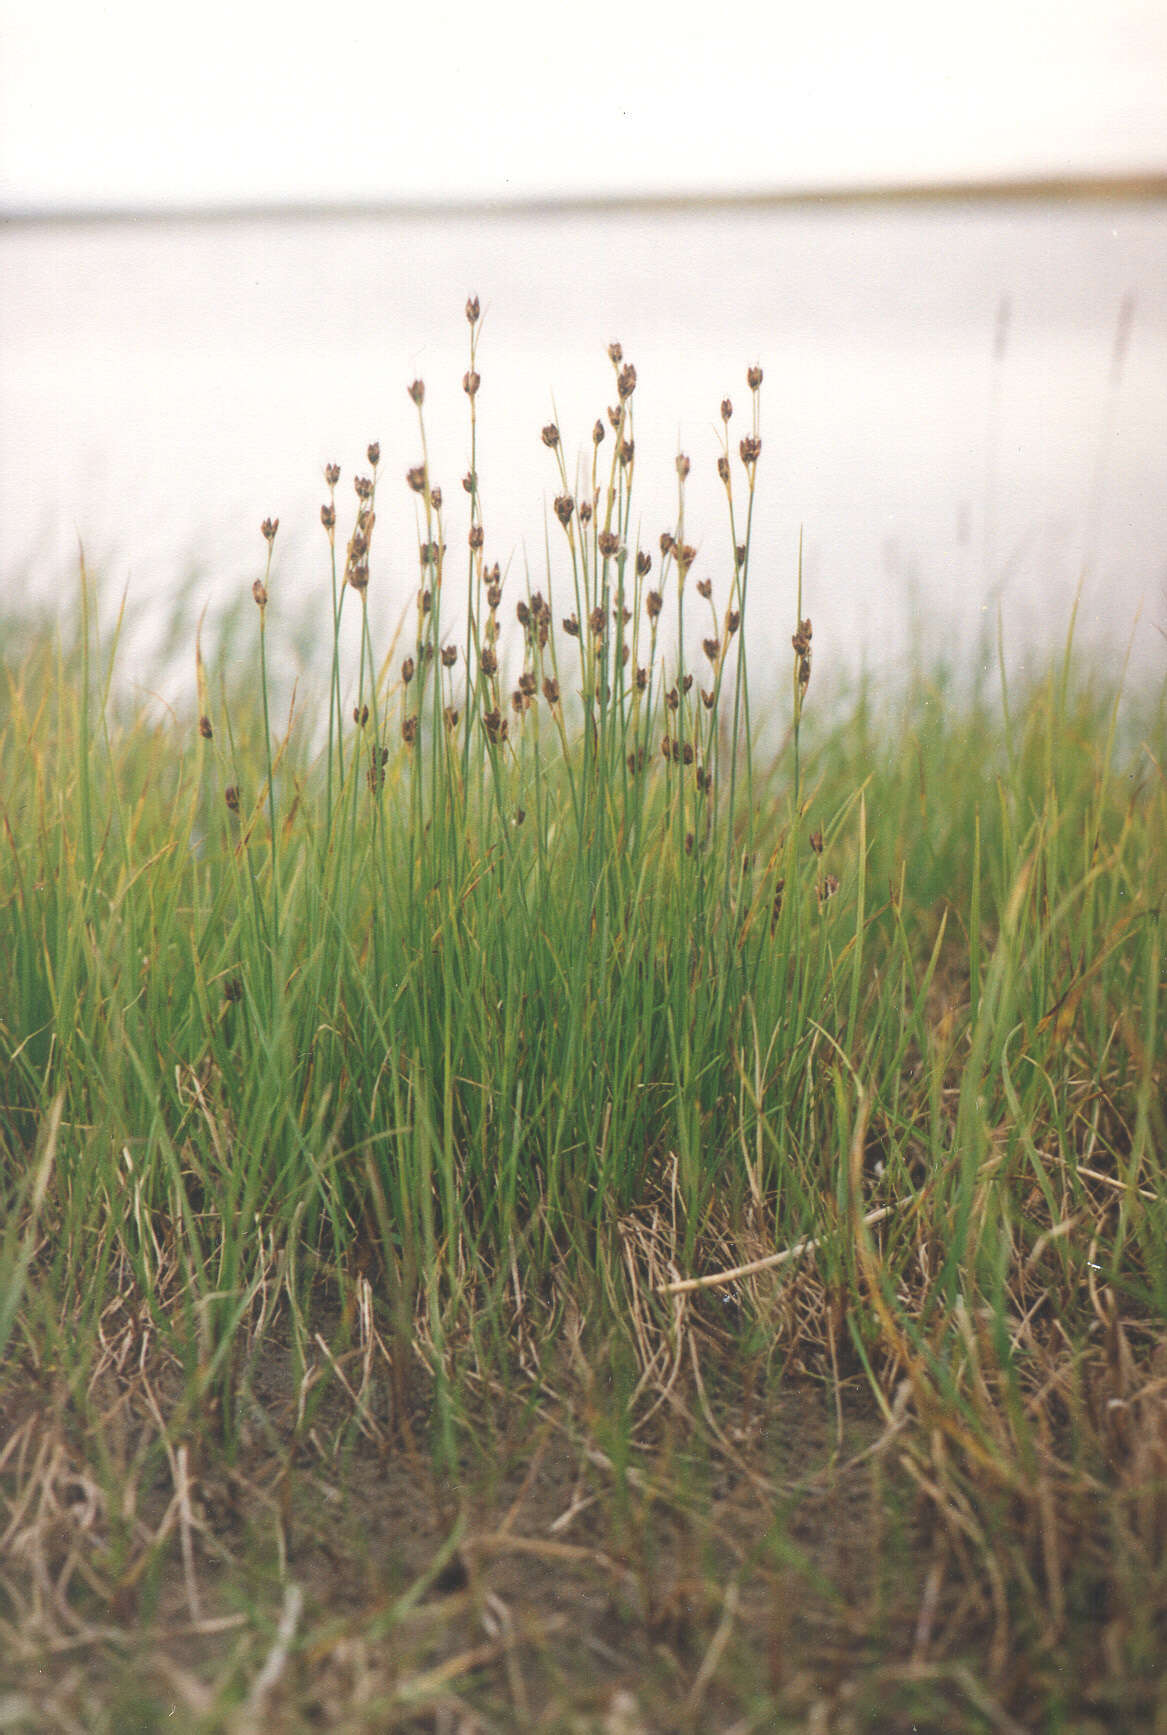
(137, 102)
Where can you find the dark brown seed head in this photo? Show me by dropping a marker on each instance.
(615, 353)
(750, 449)
(469, 483)
(686, 555)
(451, 715)
(687, 683)
(472, 310)
(471, 382)
(360, 715)
(585, 511)
(723, 468)
(753, 378)
(705, 588)
(527, 684)
(488, 661)
(436, 499)
(259, 592)
(493, 595)
(551, 436)
(653, 603)
(332, 474)
(374, 453)
(712, 649)
(596, 622)
(328, 516)
(672, 698)
(523, 613)
(551, 690)
(683, 465)
(231, 797)
(607, 542)
(571, 626)
(363, 486)
(409, 729)
(687, 752)
(598, 433)
(804, 674)
(477, 536)
(233, 989)
(417, 392)
(626, 382)
(707, 699)
(407, 669)
(495, 725)
(643, 563)
(740, 552)
(828, 887)
(816, 840)
(269, 528)
(726, 409)
(615, 415)
(733, 621)
(627, 452)
(416, 478)
(205, 729)
(449, 656)
(564, 507)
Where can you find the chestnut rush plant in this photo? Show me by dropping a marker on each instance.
(525, 978)
(475, 975)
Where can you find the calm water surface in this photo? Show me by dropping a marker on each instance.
(165, 387)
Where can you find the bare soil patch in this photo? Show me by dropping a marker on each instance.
(748, 1553)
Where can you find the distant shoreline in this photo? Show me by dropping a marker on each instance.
(1075, 189)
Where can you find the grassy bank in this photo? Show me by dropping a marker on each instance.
(525, 1208)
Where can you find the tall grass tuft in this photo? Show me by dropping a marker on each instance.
(522, 1017)
(534, 943)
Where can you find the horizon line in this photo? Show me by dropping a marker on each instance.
(1129, 188)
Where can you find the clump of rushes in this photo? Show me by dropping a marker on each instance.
(540, 990)
(460, 1037)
